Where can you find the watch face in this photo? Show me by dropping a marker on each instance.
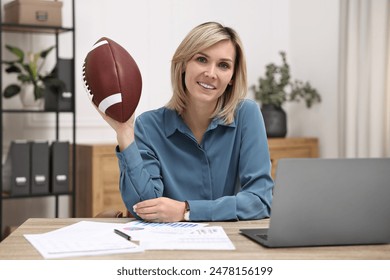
(187, 216)
(187, 212)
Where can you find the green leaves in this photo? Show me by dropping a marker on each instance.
(11, 91)
(56, 85)
(305, 92)
(13, 69)
(276, 88)
(38, 92)
(29, 72)
(272, 88)
(16, 51)
(24, 78)
(44, 53)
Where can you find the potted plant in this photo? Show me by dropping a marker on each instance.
(32, 82)
(275, 89)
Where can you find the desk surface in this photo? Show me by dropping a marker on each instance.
(16, 246)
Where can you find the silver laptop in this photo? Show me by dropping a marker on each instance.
(321, 202)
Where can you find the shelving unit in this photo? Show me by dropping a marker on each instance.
(55, 31)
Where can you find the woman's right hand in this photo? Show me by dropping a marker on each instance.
(124, 131)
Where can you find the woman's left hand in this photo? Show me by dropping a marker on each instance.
(161, 210)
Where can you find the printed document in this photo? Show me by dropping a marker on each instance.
(177, 236)
(87, 238)
(84, 238)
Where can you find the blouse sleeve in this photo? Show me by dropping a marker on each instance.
(140, 177)
(255, 198)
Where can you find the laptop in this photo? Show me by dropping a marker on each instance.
(319, 202)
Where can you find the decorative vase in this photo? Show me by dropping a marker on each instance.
(28, 99)
(275, 120)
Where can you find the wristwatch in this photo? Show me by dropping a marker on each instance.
(187, 212)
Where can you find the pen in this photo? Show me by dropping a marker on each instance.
(124, 235)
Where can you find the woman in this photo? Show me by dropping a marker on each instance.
(204, 156)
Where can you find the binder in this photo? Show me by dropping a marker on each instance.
(40, 167)
(62, 102)
(59, 173)
(16, 173)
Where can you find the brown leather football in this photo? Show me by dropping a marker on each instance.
(112, 79)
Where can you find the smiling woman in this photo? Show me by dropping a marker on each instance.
(204, 156)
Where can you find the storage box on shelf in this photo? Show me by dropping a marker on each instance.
(37, 168)
(33, 12)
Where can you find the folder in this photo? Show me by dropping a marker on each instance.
(59, 174)
(64, 101)
(39, 167)
(16, 173)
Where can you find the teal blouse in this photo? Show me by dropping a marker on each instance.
(225, 177)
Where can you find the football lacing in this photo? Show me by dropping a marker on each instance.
(86, 86)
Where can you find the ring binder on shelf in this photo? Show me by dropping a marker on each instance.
(39, 167)
(59, 167)
(63, 101)
(16, 173)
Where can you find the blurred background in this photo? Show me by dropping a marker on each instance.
(340, 47)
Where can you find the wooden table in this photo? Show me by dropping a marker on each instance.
(17, 247)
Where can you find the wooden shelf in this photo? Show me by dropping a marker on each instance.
(27, 28)
(33, 111)
(6, 195)
(291, 148)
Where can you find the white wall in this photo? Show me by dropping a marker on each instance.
(151, 30)
(313, 47)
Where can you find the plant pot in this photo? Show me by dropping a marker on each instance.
(275, 120)
(28, 100)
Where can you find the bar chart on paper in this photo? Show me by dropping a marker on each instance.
(177, 236)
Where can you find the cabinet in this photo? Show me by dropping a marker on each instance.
(38, 31)
(98, 183)
(291, 148)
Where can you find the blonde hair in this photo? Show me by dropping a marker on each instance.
(200, 38)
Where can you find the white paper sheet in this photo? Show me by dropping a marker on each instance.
(207, 238)
(177, 236)
(84, 238)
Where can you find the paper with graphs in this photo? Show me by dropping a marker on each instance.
(177, 236)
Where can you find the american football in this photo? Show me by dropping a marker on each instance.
(112, 79)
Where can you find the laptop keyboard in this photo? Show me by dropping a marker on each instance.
(262, 236)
